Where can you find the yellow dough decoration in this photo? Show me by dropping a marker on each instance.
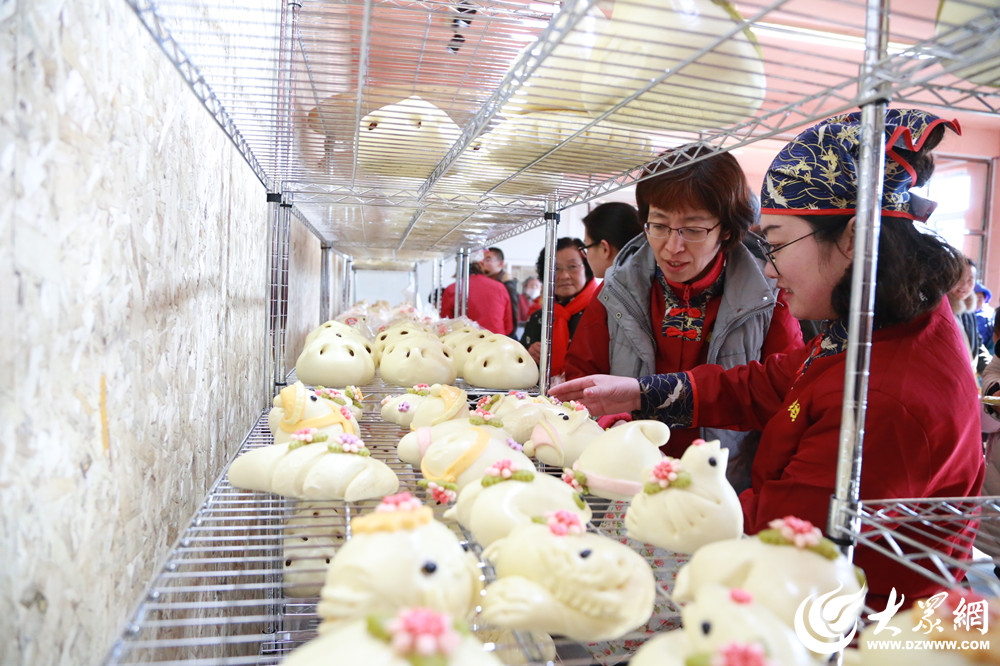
(425, 405)
(397, 557)
(297, 407)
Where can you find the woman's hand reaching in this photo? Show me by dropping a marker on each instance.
(601, 394)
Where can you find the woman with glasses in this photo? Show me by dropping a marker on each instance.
(922, 429)
(687, 292)
(574, 287)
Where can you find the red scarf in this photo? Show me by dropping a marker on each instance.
(561, 315)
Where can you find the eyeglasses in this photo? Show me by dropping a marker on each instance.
(572, 268)
(687, 234)
(587, 247)
(769, 250)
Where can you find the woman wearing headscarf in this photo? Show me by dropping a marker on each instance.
(574, 287)
(688, 292)
(922, 430)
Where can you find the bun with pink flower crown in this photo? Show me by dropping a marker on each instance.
(411, 637)
(425, 405)
(554, 577)
(508, 496)
(612, 464)
(687, 503)
(726, 627)
(781, 566)
(297, 408)
(399, 556)
(315, 466)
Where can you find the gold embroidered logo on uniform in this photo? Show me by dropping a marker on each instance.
(794, 409)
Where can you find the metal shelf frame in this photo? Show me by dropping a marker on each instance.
(221, 597)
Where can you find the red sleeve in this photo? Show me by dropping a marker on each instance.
(508, 312)
(785, 333)
(589, 350)
(744, 397)
(448, 302)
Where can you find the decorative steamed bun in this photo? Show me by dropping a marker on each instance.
(498, 362)
(414, 637)
(405, 330)
(296, 408)
(560, 439)
(459, 456)
(780, 567)
(315, 466)
(424, 405)
(311, 538)
(350, 397)
(399, 556)
(507, 496)
(613, 463)
(724, 626)
(330, 359)
(687, 503)
(417, 360)
(462, 342)
(408, 138)
(557, 578)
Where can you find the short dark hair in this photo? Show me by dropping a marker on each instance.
(716, 183)
(497, 251)
(562, 244)
(615, 222)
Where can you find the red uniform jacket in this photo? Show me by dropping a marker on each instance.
(921, 432)
(489, 304)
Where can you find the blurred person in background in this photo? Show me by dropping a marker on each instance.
(532, 289)
(574, 287)
(985, 315)
(962, 299)
(688, 292)
(607, 228)
(493, 266)
(489, 302)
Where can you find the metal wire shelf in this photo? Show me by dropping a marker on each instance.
(242, 582)
(303, 87)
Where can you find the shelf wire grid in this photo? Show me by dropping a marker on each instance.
(241, 584)
(918, 532)
(425, 126)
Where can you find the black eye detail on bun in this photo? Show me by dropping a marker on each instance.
(585, 553)
(429, 567)
(712, 461)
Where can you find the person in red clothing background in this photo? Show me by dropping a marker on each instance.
(922, 434)
(687, 292)
(489, 303)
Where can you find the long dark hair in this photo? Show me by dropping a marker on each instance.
(915, 269)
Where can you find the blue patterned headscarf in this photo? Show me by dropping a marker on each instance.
(816, 174)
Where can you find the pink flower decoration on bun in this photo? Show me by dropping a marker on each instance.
(800, 532)
(563, 522)
(423, 632)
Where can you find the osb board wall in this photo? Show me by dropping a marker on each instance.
(134, 319)
(303, 290)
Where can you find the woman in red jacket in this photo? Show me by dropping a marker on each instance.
(922, 432)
